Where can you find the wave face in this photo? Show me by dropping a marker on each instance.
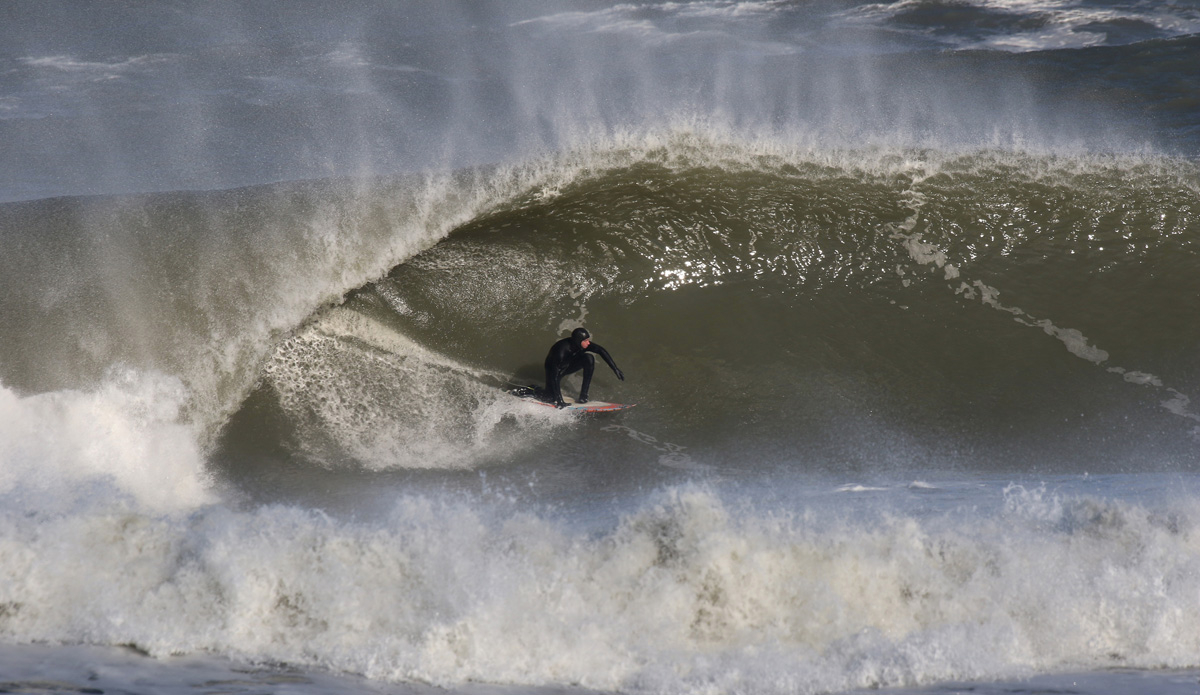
(865, 310)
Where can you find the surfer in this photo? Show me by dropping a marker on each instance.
(568, 356)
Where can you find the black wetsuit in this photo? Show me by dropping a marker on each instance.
(568, 356)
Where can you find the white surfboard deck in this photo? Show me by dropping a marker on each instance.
(589, 407)
(527, 393)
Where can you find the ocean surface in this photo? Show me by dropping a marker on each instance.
(907, 295)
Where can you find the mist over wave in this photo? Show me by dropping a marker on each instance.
(193, 96)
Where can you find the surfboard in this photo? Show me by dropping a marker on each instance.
(529, 394)
(589, 407)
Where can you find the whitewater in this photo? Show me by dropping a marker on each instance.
(905, 294)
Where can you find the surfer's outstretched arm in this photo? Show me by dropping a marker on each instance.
(596, 348)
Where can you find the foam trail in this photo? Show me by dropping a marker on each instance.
(1075, 342)
(362, 392)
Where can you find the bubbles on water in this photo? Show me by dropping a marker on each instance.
(359, 393)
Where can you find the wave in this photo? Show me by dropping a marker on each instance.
(688, 592)
(871, 295)
(870, 307)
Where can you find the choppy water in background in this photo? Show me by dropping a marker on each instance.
(906, 294)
